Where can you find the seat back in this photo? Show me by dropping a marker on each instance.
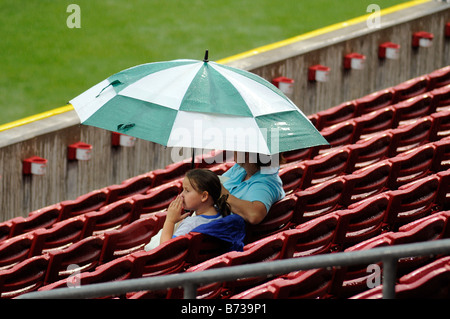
(407, 137)
(441, 98)
(325, 167)
(277, 219)
(167, 258)
(292, 177)
(410, 88)
(361, 221)
(41, 218)
(413, 108)
(85, 203)
(132, 186)
(366, 182)
(129, 238)
(368, 151)
(336, 114)
(374, 101)
(318, 200)
(412, 201)
(111, 216)
(411, 165)
(15, 249)
(83, 255)
(24, 277)
(60, 235)
(156, 199)
(311, 238)
(374, 123)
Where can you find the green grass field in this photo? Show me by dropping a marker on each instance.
(44, 63)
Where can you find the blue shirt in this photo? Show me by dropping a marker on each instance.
(264, 186)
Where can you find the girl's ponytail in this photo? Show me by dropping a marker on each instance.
(223, 205)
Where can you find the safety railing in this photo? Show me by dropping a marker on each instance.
(190, 281)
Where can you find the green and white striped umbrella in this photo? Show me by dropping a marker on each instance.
(198, 104)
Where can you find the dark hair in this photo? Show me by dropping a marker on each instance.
(206, 180)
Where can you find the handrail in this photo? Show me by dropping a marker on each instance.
(190, 281)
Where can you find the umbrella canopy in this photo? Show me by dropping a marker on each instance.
(198, 104)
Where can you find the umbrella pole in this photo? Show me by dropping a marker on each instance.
(193, 158)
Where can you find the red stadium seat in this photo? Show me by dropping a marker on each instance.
(60, 235)
(409, 136)
(439, 78)
(6, 228)
(413, 109)
(352, 280)
(292, 176)
(167, 258)
(361, 221)
(311, 238)
(424, 229)
(132, 186)
(156, 199)
(410, 88)
(209, 291)
(204, 247)
(411, 165)
(366, 182)
(374, 101)
(15, 249)
(412, 201)
(443, 195)
(442, 155)
(24, 277)
(431, 281)
(267, 249)
(337, 136)
(83, 255)
(318, 200)
(374, 123)
(336, 114)
(309, 284)
(170, 173)
(115, 270)
(441, 125)
(325, 167)
(441, 98)
(278, 219)
(111, 216)
(83, 204)
(129, 238)
(368, 151)
(41, 218)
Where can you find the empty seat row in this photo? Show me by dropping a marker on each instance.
(315, 237)
(66, 240)
(432, 83)
(344, 282)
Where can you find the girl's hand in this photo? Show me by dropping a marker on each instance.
(175, 212)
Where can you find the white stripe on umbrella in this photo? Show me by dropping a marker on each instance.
(91, 100)
(166, 87)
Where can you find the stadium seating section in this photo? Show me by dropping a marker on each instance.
(384, 180)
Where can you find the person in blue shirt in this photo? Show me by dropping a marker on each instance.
(252, 187)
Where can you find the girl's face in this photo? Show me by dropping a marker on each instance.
(192, 199)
